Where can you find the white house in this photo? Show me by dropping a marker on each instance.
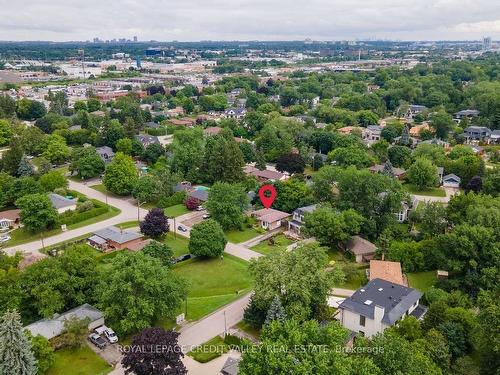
(62, 204)
(451, 180)
(378, 305)
(298, 218)
(50, 328)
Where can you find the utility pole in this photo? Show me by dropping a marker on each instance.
(225, 324)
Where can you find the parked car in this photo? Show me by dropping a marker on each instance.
(182, 228)
(199, 208)
(4, 238)
(206, 216)
(97, 340)
(108, 333)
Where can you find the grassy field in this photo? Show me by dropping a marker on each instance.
(213, 283)
(177, 210)
(81, 361)
(422, 280)
(21, 235)
(432, 192)
(357, 275)
(210, 350)
(280, 243)
(245, 327)
(237, 236)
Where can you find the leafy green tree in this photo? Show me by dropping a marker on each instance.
(136, 290)
(113, 132)
(423, 174)
(37, 212)
(223, 160)
(380, 149)
(291, 194)
(12, 157)
(53, 180)
(74, 332)
(55, 149)
(400, 156)
(5, 132)
(121, 175)
(260, 160)
(32, 138)
(442, 123)
(409, 328)
(436, 347)
(350, 156)
(207, 239)
(227, 204)
(291, 163)
(395, 355)
(160, 251)
(152, 153)
(304, 348)
(16, 356)
(54, 285)
(30, 109)
(330, 227)
(124, 145)
(187, 149)
(299, 277)
(147, 189)
(86, 162)
(43, 352)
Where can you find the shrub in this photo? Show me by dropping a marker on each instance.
(85, 206)
(174, 199)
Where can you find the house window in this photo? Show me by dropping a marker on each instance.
(362, 320)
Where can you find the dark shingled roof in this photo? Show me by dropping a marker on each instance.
(395, 299)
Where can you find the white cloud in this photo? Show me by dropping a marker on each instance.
(248, 20)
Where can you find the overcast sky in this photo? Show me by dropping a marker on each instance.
(191, 20)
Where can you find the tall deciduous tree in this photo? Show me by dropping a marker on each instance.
(227, 203)
(291, 347)
(121, 175)
(16, 357)
(223, 159)
(161, 354)
(299, 277)
(37, 212)
(138, 289)
(291, 163)
(423, 174)
(207, 239)
(86, 162)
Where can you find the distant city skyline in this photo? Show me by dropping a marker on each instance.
(195, 20)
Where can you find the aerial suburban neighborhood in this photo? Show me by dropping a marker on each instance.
(298, 207)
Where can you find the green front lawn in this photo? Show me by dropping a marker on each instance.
(213, 283)
(422, 280)
(178, 244)
(237, 236)
(21, 235)
(432, 192)
(177, 210)
(210, 350)
(82, 361)
(277, 243)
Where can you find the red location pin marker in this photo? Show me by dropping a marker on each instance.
(267, 201)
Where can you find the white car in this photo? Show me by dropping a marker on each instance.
(4, 238)
(108, 333)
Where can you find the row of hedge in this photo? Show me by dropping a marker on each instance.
(73, 217)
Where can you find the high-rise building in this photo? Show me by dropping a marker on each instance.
(135, 39)
(486, 43)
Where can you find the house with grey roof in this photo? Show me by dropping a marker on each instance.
(53, 327)
(200, 194)
(466, 113)
(62, 204)
(235, 112)
(147, 139)
(378, 305)
(231, 366)
(113, 238)
(451, 180)
(106, 153)
(476, 133)
(298, 218)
